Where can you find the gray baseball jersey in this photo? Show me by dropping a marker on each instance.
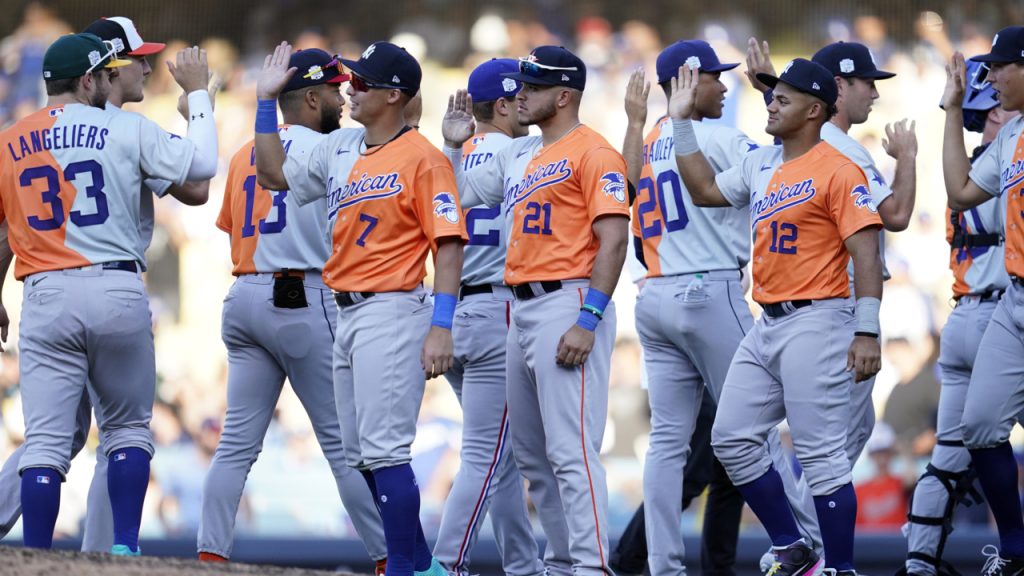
(488, 481)
(270, 232)
(691, 317)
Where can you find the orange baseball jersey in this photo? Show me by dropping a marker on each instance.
(269, 230)
(1000, 170)
(70, 182)
(387, 207)
(552, 196)
(801, 213)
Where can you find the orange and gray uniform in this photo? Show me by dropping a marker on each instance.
(551, 196)
(272, 235)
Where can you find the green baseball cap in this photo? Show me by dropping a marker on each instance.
(75, 55)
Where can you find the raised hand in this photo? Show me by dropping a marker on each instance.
(458, 125)
(900, 140)
(636, 98)
(758, 62)
(275, 73)
(956, 82)
(212, 88)
(190, 69)
(684, 93)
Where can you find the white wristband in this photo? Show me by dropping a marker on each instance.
(202, 132)
(685, 137)
(867, 315)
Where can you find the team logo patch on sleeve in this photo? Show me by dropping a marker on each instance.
(862, 198)
(444, 206)
(614, 185)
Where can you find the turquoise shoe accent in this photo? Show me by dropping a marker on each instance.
(122, 550)
(435, 569)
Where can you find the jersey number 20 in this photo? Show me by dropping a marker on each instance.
(51, 195)
(665, 196)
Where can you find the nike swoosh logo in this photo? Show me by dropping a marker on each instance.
(341, 151)
(422, 298)
(38, 280)
(521, 153)
(765, 167)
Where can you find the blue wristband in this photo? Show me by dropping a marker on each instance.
(266, 116)
(587, 320)
(444, 310)
(596, 299)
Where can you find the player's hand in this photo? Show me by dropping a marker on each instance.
(684, 93)
(212, 88)
(5, 323)
(864, 357)
(414, 110)
(574, 347)
(901, 140)
(758, 62)
(636, 98)
(190, 69)
(956, 82)
(275, 73)
(438, 352)
(458, 125)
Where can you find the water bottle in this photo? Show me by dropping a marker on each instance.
(695, 290)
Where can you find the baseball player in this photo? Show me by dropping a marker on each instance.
(564, 195)
(74, 225)
(976, 258)
(488, 481)
(855, 73)
(994, 396)
(391, 198)
(126, 86)
(810, 210)
(691, 315)
(279, 317)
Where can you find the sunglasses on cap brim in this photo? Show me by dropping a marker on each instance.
(111, 53)
(979, 80)
(360, 84)
(343, 75)
(528, 65)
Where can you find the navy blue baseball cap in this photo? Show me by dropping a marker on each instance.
(850, 60)
(1007, 47)
(487, 82)
(384, 65)
(551, 66)
(807, 77)
(315, 67)
(694, 53)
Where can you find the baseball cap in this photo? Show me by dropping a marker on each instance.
(807, 77)
(551, 66)
(387, 66)
(74, 55)
(850, 60)
(487, 82)
(694, 53)
(314, 67)
(121, 31)
(1007, 46)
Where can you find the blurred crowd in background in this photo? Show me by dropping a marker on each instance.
(291, 490)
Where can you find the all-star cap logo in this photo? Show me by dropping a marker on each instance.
(368, 52)
(315, 72)
(94, 58)
(693, 62)
(846, 65)
(508, 85)
(118, 45)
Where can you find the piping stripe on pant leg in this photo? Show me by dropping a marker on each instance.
(583, 444)
(484, 492)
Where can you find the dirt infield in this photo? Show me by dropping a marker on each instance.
(16, 561)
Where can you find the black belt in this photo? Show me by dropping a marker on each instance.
(976, 240)
(780, 309)
(471, 289)
(123, 265)
(1017, 280)
(350, 298)
(525, 291)
(986, 296)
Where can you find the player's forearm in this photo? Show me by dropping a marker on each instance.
(632, 151)
(202, 132)
(270, 157)
(191, 193)
(470, 192)
(613, 237)
(6, 256)
(867, 264)
(448, 266)
(896, 217)
(956, 166)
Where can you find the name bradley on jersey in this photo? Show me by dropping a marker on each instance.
(58, 138)
(660, 149)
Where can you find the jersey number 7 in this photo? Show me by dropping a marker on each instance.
(51, 195)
